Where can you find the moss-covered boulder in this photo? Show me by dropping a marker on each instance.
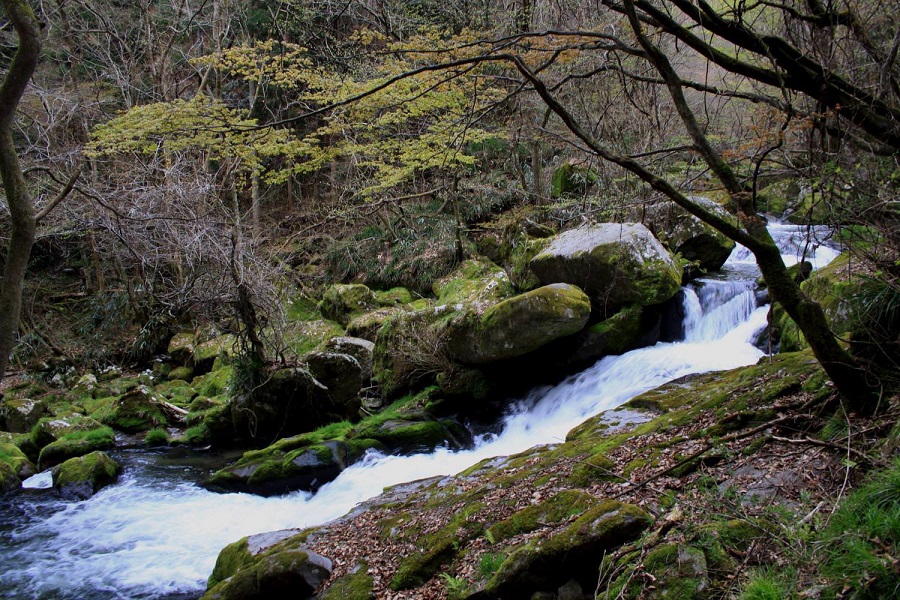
(19, 415)
(82, 477)
(136, 411)
(271, 565)
(834, 289)
(357, 583)
(302, 337)
(213, 353)
(367, 325)
(76, 443)
(571, 178)
(520, 324)
(574, 551)
(181, 348)
(615, 264)
(341, 302)
(685, 234)
(50, 429)
(283, 468)
(558, 508)
(342, 375)
(14, 467)
(409, 435)
(9, 480)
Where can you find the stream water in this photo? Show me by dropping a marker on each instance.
(156, 534)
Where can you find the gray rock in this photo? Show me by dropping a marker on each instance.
(341, 374)
(615, 264)
(360, 349)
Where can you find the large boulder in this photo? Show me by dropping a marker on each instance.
(76, 443)
(268, 565)
(288, 465)
(139, 410)
(9, 481)
(685, 234)
(616, 264)
(288, 401)
(361, 349)
(51, 429)
(82, 477)
(19, 415)
(342, 375)
(520, 324)
(341, 302)
(475, 284)
(17, 459)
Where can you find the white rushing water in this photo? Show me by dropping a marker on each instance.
(154, 534)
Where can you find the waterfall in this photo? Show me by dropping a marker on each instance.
(155, 534)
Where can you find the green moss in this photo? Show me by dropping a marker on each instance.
(15, 458)
(75, 443)
(679, 572)
(440, 548)
(560, 507)
(96, 469)
(594, 469)
(474, 282)
(394, 296)
(305, 336)
(231, 558)
(213, 383)
(356, 584)
(156, 437)
(302, 308)
(198, 435)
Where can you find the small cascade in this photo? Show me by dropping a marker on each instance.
(156, 535)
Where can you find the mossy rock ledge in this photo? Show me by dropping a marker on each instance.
(615, 264)
(547, 564)
(82, 477)
(19, 415)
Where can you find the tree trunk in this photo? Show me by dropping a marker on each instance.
(21, 207)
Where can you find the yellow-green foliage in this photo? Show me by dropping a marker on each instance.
(410, 125)
(201, 124)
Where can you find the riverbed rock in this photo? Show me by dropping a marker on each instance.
(289, 465)
(19, 415)
(50, 429)
(361, 349)
(547, 564)
(212, 354)
(287, 402)
(267, 566)
(17, 459)
(77, 443)
(181, 348)
(342, 375)
(82, 477)
(520, 324)
(615, 264)
(341, 302)
(683, 233)
(415, 433)
(136, 411)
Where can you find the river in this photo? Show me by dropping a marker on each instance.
(156, 534)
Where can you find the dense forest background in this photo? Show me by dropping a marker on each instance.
(226, 151)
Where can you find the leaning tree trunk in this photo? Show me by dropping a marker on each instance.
(21, 208)
(848, 376)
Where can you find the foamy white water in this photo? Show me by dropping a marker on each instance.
(155, 535)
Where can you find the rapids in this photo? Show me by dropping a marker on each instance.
(156, 534)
